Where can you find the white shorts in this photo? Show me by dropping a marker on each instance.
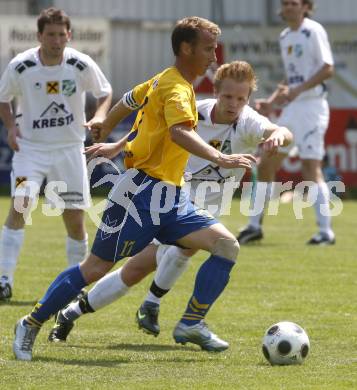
(308, 121)
(214, 197)
(65, 171)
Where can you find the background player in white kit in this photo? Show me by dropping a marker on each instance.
(49, 83)
(308, 62)
(230, 125)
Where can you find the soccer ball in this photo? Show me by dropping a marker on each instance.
(285, 343)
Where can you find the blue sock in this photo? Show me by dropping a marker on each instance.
(211, 279)
(65, 287)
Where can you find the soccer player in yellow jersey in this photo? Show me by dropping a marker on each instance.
(147, 202)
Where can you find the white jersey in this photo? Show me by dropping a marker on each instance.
(242, 136)
(304, 52)
(210, 186)
(50, 99)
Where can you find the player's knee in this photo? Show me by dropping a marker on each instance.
(15, 219)
(227, 248)
(188, 253)
(179, 255)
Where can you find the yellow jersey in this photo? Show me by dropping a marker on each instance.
(163, 101)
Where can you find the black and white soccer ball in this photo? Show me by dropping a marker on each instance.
(285, 343)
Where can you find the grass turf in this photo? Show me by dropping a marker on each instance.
(278, 279)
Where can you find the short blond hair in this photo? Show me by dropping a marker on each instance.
(239, 71)
(187, 30)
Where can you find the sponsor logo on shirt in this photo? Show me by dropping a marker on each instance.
(55, 115)
(295, 49)
(216, 143)
(52, 87)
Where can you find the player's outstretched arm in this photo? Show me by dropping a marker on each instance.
(188, 139)
(107, 150)
(278, 97)
(101, 129)
(103, 105)
(274, 137)
(10, 124)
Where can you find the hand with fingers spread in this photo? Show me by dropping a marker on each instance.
(107, 150)
(271, 145)
(235, 161)
(274, 138)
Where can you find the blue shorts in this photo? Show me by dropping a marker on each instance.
(141, 208)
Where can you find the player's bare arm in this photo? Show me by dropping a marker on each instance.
(274, 137)
(278, 97)
(321, 75)
(188, 139)
(101, 129)
(107, 150)
(8, 119)
(103, 106)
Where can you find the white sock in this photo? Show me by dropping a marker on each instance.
(260, 198)
(72, 311)
(76, 250)
(172, 264)
(105, 291)
(10, 245)
(108, 289)
(322, 209)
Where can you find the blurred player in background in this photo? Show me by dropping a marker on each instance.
(231, 126)
(308, 62)
(47, 134)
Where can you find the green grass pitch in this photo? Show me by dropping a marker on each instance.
(279, 279)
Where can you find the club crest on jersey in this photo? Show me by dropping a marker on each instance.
(38, 85)
(20, 181)
(216, 143)
(298, 50)
(55, 115)
(226, 148)
(52, 87)
(68, 87)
